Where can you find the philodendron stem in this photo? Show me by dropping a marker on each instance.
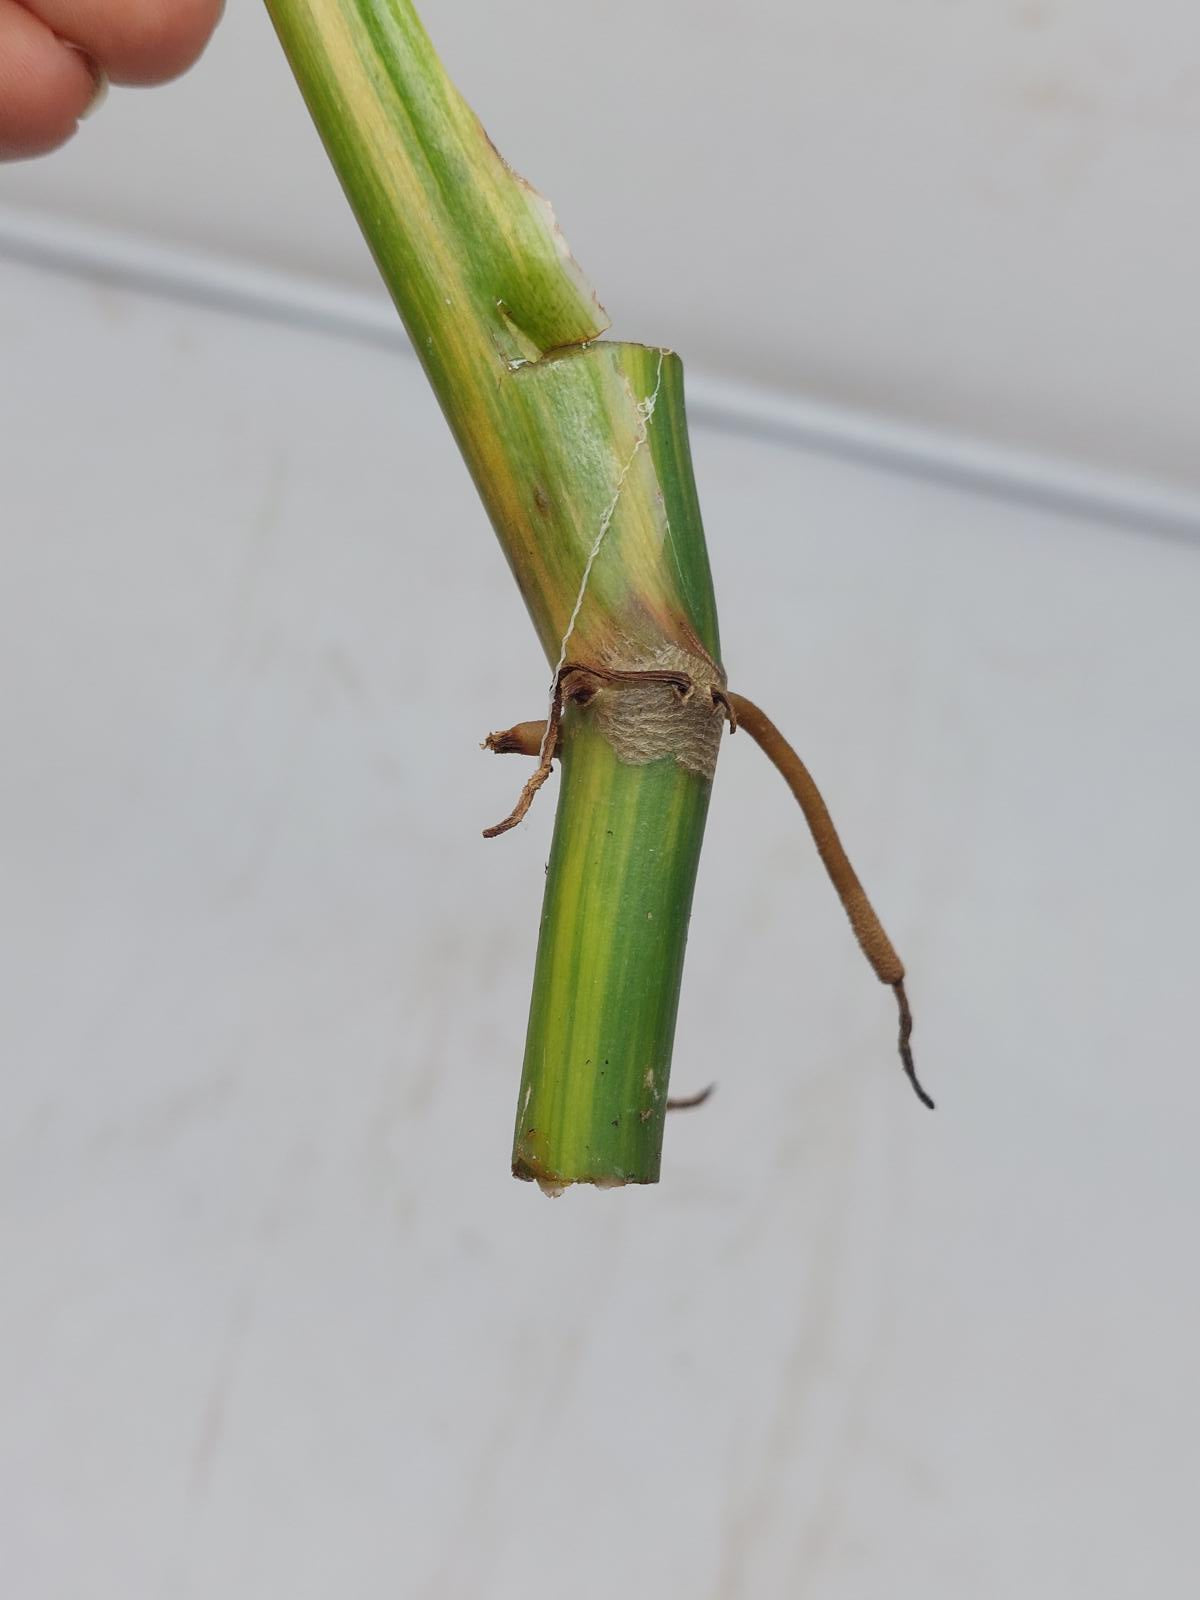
(579, 449)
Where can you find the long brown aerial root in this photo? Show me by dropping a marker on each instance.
(868, 929)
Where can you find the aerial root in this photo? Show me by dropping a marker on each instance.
(545, 751)
(687, 1102)
(524, 739)
(868, 929)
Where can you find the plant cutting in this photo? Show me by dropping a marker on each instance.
(578, 446)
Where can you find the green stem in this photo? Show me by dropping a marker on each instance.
(610, 960)
(579, 450)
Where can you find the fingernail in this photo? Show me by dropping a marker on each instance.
(99, 93)
(99, 79)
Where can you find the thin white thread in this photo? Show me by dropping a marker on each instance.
(645, 410)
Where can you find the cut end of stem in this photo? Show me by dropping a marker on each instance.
(555, 1184)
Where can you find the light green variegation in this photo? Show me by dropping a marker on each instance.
(578, 448)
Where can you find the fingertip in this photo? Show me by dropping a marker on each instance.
(45, 85)
(135, 41)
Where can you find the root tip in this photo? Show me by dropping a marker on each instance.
(906, 1055)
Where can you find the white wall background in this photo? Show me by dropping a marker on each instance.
(275, 1321)
(980, 214)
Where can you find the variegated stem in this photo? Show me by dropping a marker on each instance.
(578, 448)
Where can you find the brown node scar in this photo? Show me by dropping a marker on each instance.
(574, 683)
(868, 929)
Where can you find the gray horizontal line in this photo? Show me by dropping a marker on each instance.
(935, 456)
